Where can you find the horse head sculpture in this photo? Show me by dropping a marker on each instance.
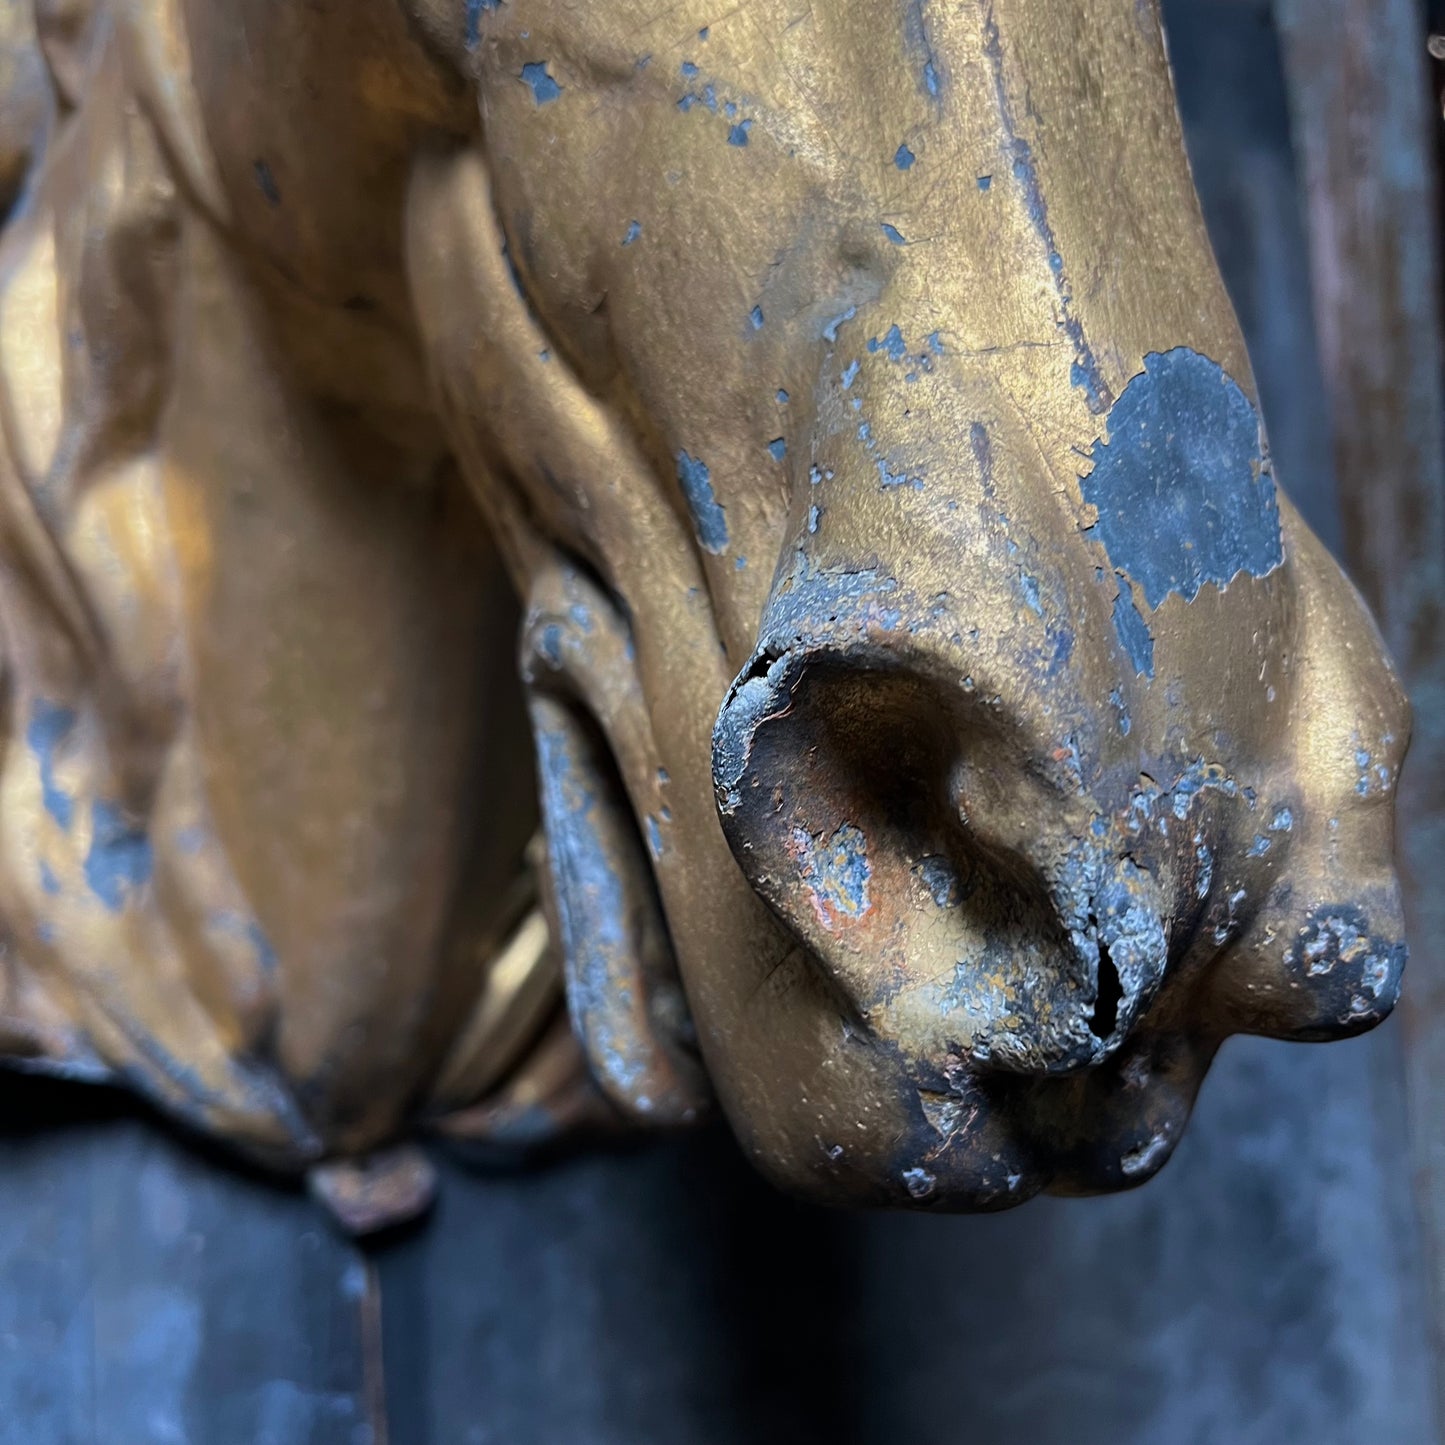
(881, 465)
(947, 731)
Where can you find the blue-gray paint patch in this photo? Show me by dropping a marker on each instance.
(46, 734)
(982, 449)
(903, 158)
(266, 180)
(888, 478)
(920, 45)
(850, 374)
(544, 88)
(1025, 173)
(891, 342)
(830, 330)
(1149, 801)
(1122, 708)
(755, 318)
(119, 860)
(837, 871)
(1063, 640)
(808, 601)
(894, 346)
(738, 133)
(265, 953)
(591, 904)
(1132, 631)
(474, 19)
(778, 448)
(1353, 974)
(549, 645)
(782, 397)
(985, 183)
(894, 234)
(1029, 586)
(708, 518)
(634, 230)
(1182, 486)
(689, 69)
(238, 925)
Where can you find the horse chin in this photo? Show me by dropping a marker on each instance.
(963, 1141)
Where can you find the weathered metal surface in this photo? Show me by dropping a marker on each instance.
(1369, 142)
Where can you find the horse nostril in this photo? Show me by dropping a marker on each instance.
(1105, 1017)
(902, 836)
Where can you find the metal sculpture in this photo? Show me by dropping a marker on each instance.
(947, 732)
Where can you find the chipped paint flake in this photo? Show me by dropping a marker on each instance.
(709, 519)
(836, 871)
(49, 729)
(544, 88)
(118, 863)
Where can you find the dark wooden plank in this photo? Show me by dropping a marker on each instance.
(1367, 128)
(656, 1294)
(151, 1295)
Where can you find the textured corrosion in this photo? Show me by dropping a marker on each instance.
(946, 731)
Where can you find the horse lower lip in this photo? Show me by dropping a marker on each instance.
(1062, 1053)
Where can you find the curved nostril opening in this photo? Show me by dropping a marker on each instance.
(1105, 1017)
(886, 819)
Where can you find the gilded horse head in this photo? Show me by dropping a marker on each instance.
(922, 652)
